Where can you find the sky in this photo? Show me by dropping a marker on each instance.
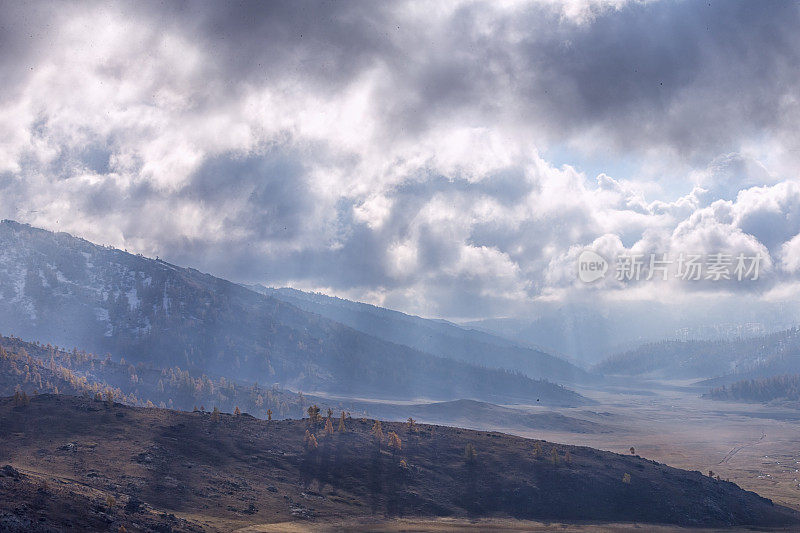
(448, 159)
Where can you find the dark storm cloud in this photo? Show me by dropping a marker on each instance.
(691, 76)
(217, 134)
(24, 29)
(269, 193)
(256, 42)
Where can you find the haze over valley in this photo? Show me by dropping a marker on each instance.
(296, 265)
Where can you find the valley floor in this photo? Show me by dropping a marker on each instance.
(755, 446)
(441, 525)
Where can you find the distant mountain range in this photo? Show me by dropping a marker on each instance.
(59, 289)
(437, 337)
(592, 332)
(719, 362)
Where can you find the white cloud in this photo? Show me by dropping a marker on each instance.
(395, 153)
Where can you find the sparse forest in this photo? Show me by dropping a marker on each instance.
(786, 387)
(35, 368)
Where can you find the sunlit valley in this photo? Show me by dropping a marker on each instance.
(399, 266)
(174, 393)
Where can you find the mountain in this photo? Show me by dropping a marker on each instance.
(437, 337)
(81, 464)
(727, 361)
(64, 290)
(590, 332)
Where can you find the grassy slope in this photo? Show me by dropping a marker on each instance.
(240, 470)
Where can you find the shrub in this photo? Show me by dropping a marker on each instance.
(20, 398)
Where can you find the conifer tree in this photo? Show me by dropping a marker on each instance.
(377, 432)
(313, 415)
(394, 442)
(537, 450)
(310, 441)
(470, 454)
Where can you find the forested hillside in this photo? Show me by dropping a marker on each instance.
(781, 388)
(436, 337)
(67, 291)
(33, 368)
(752, 357)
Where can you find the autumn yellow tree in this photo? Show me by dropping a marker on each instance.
(313, 414)
(377, 432)
(342, 428)
(310, 441)
(537, 450)
(109, 397)
(328, 427)
(554, 455)
(395, 444)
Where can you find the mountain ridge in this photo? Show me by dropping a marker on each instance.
(438, 337)
(65, 290)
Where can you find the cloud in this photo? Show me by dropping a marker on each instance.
(395, 151)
